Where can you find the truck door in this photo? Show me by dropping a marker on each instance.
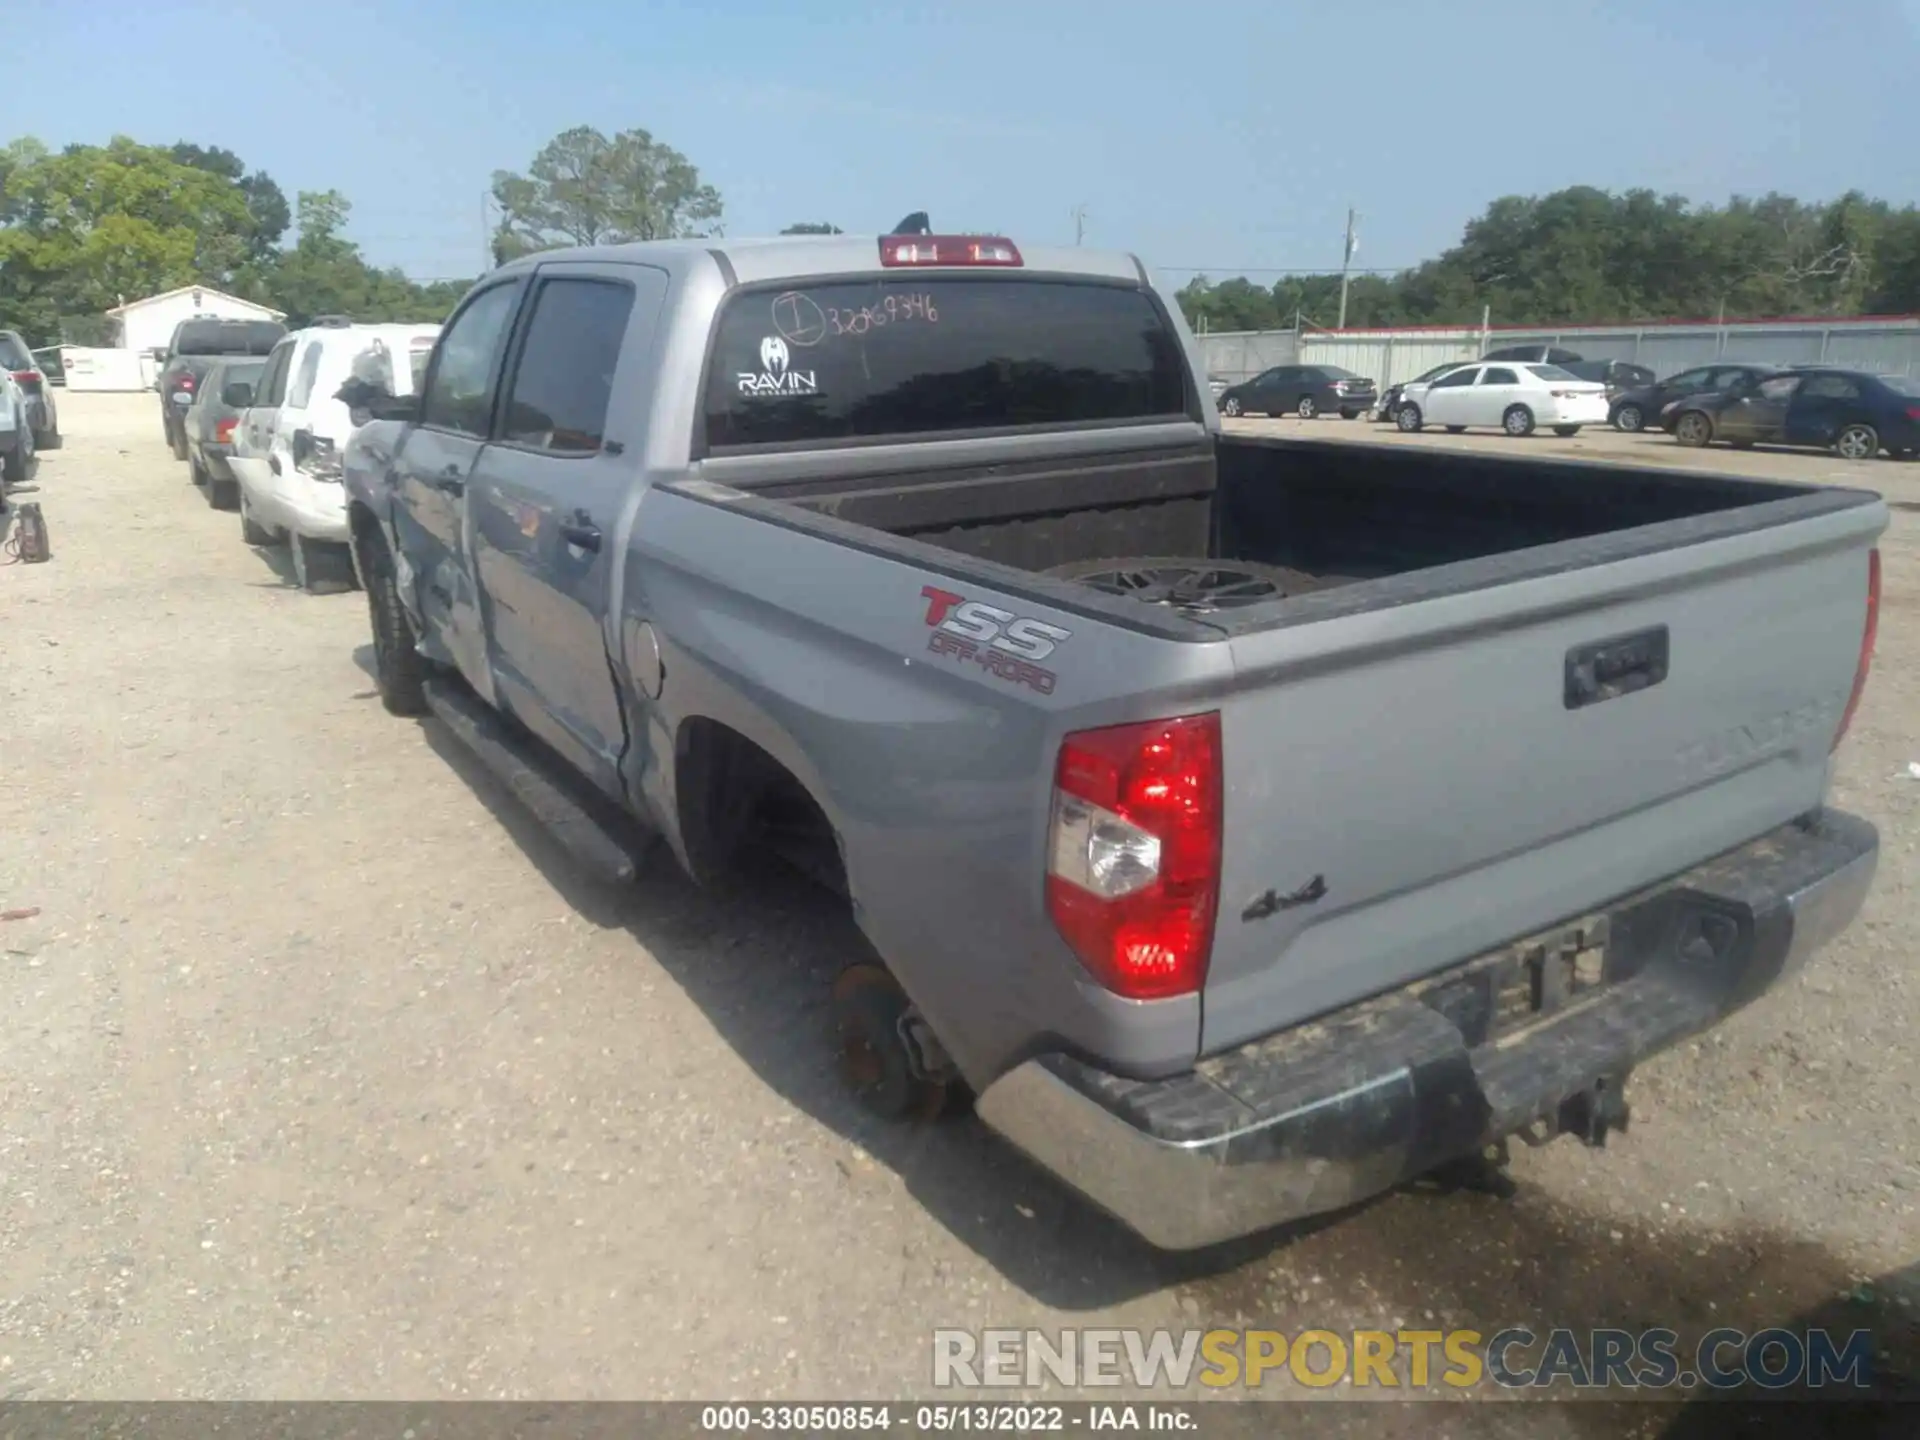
(546, 500)
(435, 458)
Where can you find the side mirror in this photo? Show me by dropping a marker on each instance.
(395, 407)
(236, 395)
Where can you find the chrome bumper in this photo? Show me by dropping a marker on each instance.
(1318, 1118)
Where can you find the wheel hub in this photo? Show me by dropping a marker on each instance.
(1196, 589)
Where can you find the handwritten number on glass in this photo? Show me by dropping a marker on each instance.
(892, 310)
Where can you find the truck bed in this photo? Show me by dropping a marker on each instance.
(1339, 513)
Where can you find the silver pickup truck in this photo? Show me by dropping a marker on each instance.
(1246, 826)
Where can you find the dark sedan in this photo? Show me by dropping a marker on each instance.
(1636, 408)
(1303, 390)
(1853, 413)
(1390, 397)
(209, 425)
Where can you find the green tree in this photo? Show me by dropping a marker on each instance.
(812, 227)
(585, 188)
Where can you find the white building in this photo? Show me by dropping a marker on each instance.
(144, 325)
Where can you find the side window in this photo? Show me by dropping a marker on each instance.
(1780, 387)
(1457, 378)
(460, 387)
(1497, 376)
(273, 380)
(309, 371)
(1272, 377)
(1830, 387)
(564, 378)
(1688, 381)
(1729, 380)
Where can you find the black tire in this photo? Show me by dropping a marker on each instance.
(52, 440)
(1693, 428)
(1566, 429)
(1409, 419)
(1630, 418)
(320, 568)
(1857, 442)
(1348, 414)
(1456, 429)
(17, 469)
(1517, 422)
(868, 1006)
(1230, 406)
(177, 442)
(1306, 409)
(399, 669)
(196, 472)
(223, 494)
(251, 531)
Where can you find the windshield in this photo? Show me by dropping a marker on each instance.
(13, 353)
(223, 337)
(1553, 372)
(1436, 372)
(919, 355)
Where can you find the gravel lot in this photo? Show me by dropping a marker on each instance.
(322, 1076)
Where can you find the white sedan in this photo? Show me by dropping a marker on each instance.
(1515, 398)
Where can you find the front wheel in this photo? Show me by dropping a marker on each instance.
(1409, 419)
(1693, 429)
(1306, 409)
(1630, 418)
(1518, 421)
(1857, 442)
(399, 670)
(1566, 429)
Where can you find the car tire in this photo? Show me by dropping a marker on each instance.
(1456, 429)
(1230, 406)
(1348, 414)
(196, 472)
(18, 466)
(1517, 422)
(399, 669)
(1630, 418)
(1306, 409)
(1564, 430)
(320, 568)
(252, 531)
(177, 442)
(52, 440)
(1694, 429)
(1409, 419)
(223, 494)
(1857, 442)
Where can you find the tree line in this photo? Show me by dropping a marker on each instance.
(1587, 256)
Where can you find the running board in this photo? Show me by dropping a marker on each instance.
(535, 781)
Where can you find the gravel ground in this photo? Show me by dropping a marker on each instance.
(323, 1077)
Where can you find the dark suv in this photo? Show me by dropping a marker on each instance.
(196, 344)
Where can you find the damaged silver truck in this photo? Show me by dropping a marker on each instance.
(1244, 825)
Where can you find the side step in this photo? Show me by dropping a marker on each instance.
(536, 783)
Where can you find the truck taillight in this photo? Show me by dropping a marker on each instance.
(1133, 852)
(947, 250)
(1867, 636)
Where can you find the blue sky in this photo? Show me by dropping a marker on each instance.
(1230, 134)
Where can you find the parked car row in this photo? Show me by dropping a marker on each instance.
(1857, 414)
(263, 430)
(43, 416)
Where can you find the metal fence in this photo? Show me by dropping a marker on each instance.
(1888, 346)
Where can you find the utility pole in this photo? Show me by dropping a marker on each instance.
(1346, 259)
(1079, 223)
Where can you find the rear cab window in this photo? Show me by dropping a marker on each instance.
(900, 357)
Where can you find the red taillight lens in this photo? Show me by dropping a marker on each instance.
(223, 430)
(23, 376)
(1867, 636)
(947, 250)
(183, 382)
(1913, 412)
(1133, 859)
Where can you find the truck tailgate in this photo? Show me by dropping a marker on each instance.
(1412, 785)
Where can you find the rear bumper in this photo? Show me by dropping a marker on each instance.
(1332, 1112)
